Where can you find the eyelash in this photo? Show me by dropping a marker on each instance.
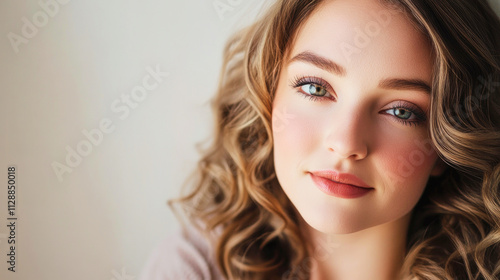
(420, 116)
(300, 81)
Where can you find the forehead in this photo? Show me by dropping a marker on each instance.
(366, 36)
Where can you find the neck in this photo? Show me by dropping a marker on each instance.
(375, 253)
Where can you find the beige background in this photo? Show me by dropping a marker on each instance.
(103, 219)
(110, 211)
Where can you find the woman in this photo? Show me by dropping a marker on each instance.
(354, 140)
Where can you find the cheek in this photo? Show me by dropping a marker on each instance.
(296, 135)
(405, 166)
(292, 133)
(409, 159)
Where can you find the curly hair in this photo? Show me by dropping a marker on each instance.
(455, 228)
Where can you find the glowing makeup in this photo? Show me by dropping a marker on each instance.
(354, 118)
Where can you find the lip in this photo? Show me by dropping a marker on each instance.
(343, 185)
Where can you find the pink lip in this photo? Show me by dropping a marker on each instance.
(341, 185)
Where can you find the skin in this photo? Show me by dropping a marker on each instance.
(354, 128)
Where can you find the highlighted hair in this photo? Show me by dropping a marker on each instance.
(455, 228)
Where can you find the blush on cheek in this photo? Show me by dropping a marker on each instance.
(293, 134)
(409, 162)
(404, 168)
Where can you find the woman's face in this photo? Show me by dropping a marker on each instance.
(351, 148)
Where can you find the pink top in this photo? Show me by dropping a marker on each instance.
(189, 257)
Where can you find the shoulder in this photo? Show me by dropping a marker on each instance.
(183, 255)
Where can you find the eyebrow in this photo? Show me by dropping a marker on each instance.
(330, 66)
(320, 62)
(405, 84)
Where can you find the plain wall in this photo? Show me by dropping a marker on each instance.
(102, 219)
(107, 215)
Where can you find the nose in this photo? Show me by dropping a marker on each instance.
(347, 136)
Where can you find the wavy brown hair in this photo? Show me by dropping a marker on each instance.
(455, 227)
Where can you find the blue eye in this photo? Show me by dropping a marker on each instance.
(401, 113)
(314, 89)
(407, 113)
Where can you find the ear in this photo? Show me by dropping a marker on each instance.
(439, 167)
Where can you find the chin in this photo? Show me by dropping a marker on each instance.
(335, 224)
